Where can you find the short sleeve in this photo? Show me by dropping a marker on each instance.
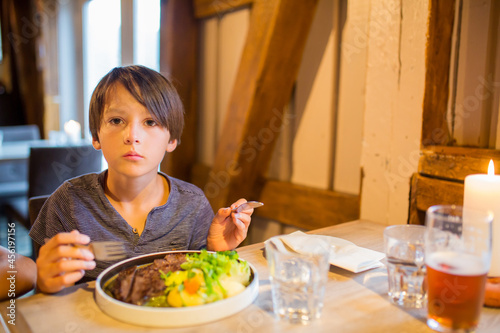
(49, 221)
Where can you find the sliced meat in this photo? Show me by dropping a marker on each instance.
(174, 261)
(123, 283)
(147, 281)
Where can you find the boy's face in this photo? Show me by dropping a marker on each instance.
(131, 141)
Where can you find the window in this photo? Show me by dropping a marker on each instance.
(101, 47)
(147, 33)
(475, 75)
(111, 33)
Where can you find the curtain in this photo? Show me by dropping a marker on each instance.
(22, 72)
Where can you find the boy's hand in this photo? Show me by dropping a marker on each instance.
(228, 229)
(60, 264)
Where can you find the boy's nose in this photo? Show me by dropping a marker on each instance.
(132, 135)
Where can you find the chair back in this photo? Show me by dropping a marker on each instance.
(34, 206)
(49, 167)
(20, 133)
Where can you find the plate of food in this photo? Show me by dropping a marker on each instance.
(177, 288)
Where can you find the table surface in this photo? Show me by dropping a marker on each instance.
(353, 302)
(14, 166)
(20, 150)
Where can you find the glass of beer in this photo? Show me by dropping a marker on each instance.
(457, 256)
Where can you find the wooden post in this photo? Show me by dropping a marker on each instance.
(271, 58)
(178, 60)
(437, 63)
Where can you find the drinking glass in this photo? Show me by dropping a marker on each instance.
(298, 280)
(457, 256)
(404, 250)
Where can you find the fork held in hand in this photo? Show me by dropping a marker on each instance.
(247, 205)
(108, 250)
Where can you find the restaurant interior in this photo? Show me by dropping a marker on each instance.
(327, 111)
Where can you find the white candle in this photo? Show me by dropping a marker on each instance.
(73, 131)
(482, 192)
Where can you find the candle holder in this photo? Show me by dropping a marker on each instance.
(492, 294)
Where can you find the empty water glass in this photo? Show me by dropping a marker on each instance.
(404, 250)
(298, 279)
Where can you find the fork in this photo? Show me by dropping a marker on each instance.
(103, 250)
(247, 205)
(108, 250)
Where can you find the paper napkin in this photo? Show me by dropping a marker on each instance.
(343, 253)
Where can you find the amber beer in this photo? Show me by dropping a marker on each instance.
(456, 284)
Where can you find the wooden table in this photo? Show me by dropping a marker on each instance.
(353, 302)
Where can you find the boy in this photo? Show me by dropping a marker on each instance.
(135, 117)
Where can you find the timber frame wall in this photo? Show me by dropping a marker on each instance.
(268, 64)
(271, 57)
(442, 167)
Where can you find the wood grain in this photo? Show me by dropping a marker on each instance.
(271, 57)
(178, 60)
(427, 191)
(456, 162)
(306, 207)
(437, 64)
(207, 8)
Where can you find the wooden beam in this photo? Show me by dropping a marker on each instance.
(178, 60)
(296, 205)
(455, 163)
(306, 207)
(427, 191)
(431, 191)
(437, 63)
(207, 8)
(271, 58)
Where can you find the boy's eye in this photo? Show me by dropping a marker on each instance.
(115, 121)
(150, 122)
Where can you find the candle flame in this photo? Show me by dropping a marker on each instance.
(491, 168)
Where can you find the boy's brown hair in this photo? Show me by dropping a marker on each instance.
(149, 88)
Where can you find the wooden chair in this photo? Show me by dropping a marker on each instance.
(48, 168)
(34, 206)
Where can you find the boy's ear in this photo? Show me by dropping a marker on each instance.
(96, 144)
(172, 144)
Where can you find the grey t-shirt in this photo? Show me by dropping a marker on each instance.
(80, 203)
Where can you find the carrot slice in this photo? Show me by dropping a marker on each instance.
(192, 285)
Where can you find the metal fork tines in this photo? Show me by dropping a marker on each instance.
(108, 250)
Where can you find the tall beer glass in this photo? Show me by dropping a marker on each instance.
(457, 256)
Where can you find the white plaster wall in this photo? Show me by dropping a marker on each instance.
(314, 104)
(351, 105)
(393, 113)
(221, 45)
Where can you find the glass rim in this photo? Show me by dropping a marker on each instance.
(390, 228)
(454, 213)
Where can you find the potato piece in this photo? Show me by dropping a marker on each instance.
(232, 287)
(174, 298)
(191, 299)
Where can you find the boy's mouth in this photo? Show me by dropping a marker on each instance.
(133, 155)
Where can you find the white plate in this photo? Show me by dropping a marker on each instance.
(169, 317)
